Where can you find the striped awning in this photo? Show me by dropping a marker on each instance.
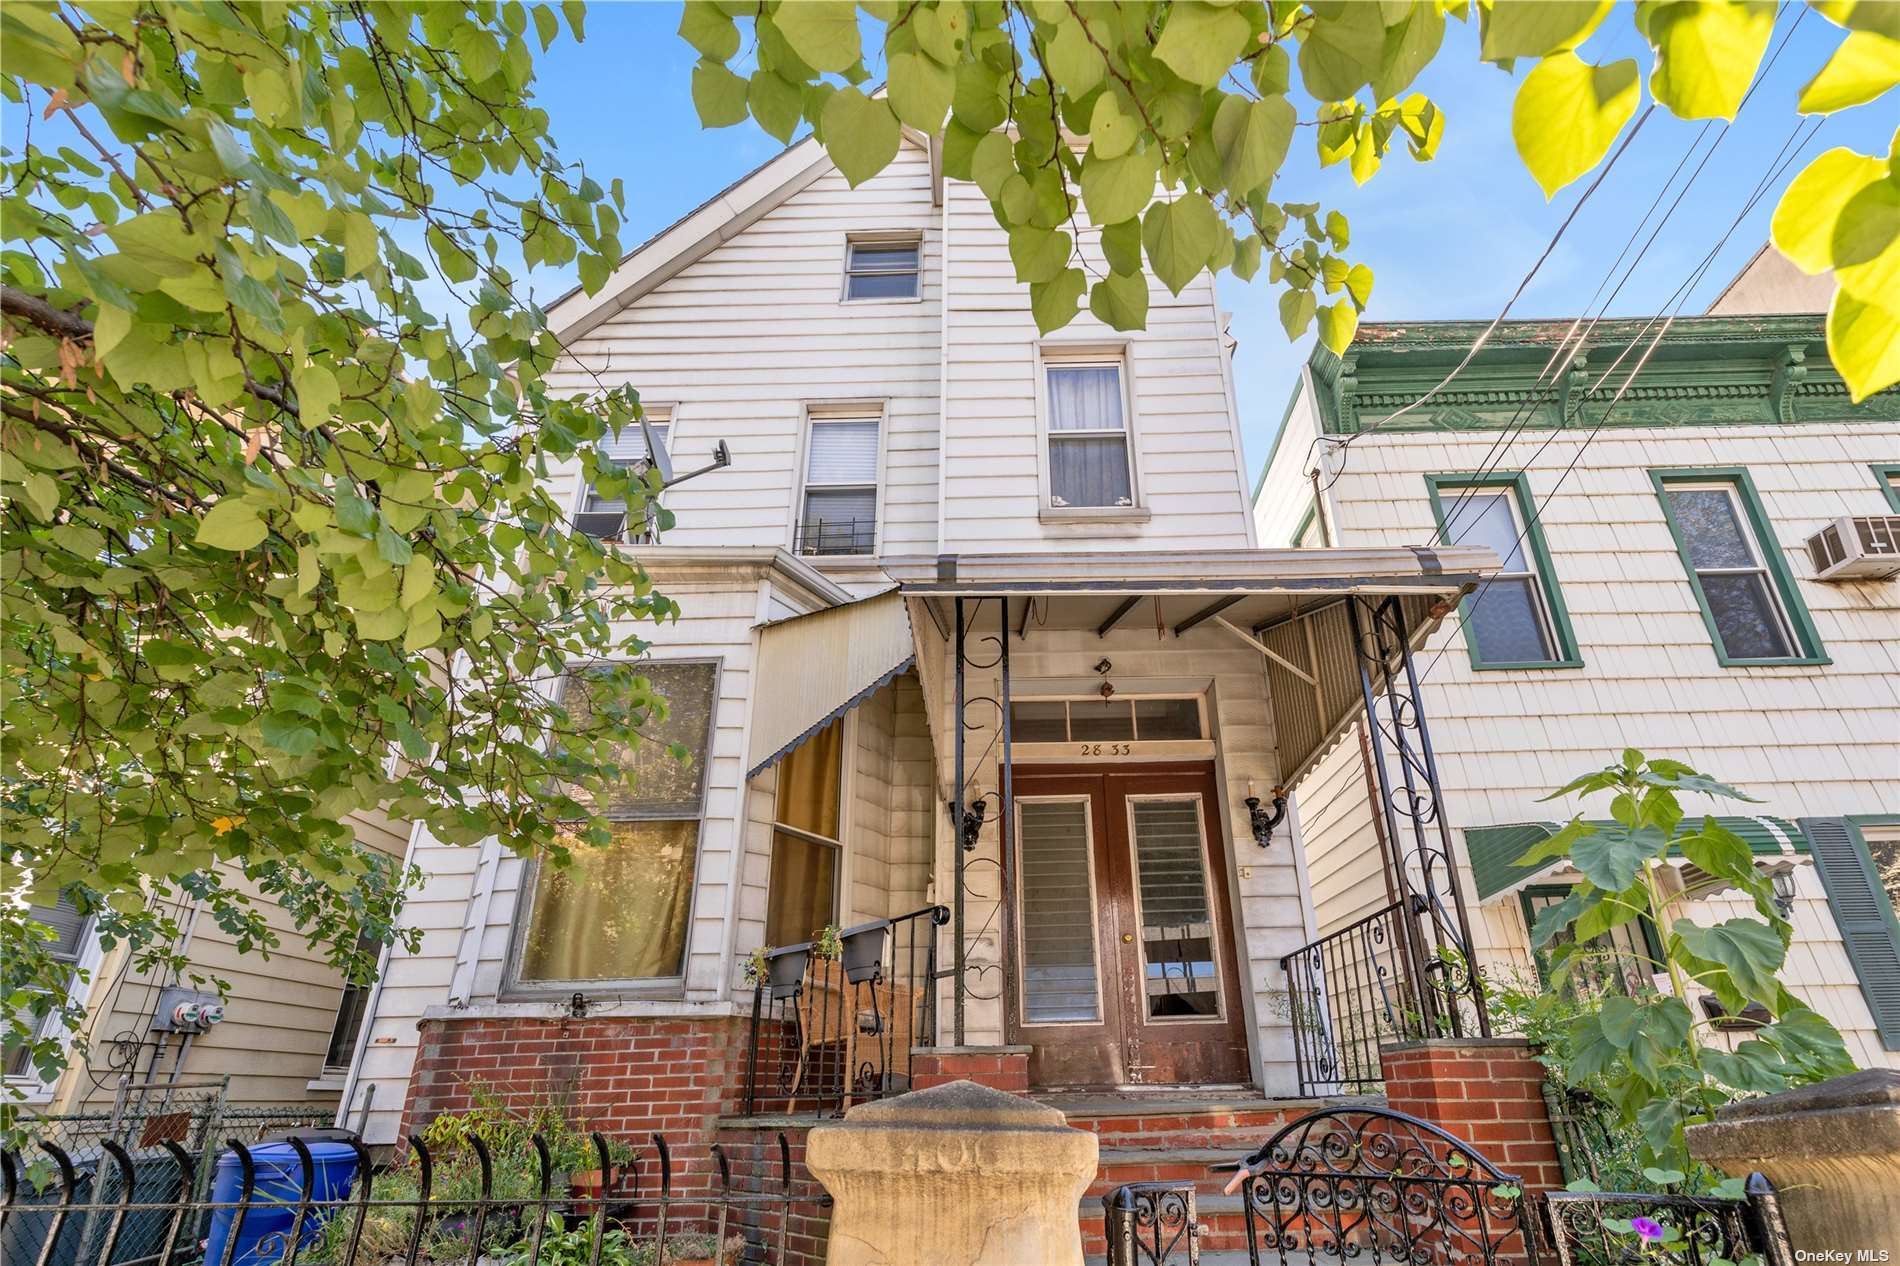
(1493, 850)
(814, 668)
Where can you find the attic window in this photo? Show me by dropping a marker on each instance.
(882, 269)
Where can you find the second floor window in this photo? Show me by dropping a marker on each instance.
(1088, 435)
(1747, 599)
(606, 517)
(1516, 617)
(882, 269)
(839, 514)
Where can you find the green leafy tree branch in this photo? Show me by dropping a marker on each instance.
(1650, 1051)
(1153, 130)
(277, 538)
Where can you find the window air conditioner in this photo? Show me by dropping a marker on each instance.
(1861, 547)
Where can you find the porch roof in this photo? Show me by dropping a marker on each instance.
(1287, 604)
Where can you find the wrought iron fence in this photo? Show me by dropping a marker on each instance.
(1620, 1228)
(470, 1206)
(829, 1032)
(1346, 994)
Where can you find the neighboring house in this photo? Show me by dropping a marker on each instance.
(1656, 593)
(288, 1031)
(933, 520)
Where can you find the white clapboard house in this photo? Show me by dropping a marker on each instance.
(1674, 579)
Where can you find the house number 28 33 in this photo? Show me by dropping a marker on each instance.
(1107, 749)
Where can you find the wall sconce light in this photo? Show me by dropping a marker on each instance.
(971, 825)
(1260, 819)
(1783, 879)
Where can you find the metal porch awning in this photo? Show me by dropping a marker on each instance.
(1287, 604)
(1493, 850)
(814, 668)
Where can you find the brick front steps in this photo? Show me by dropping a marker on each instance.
(1164, 1137)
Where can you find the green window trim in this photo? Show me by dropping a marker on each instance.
(1306, 521)
(1774, 560)
(1862, 912)
(1652, 941)
(1887, 473)
(1567, 653)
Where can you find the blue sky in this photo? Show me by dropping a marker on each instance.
(1449, 238)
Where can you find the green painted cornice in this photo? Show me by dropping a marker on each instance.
(1706, 371)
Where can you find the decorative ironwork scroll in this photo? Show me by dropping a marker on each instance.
(1152, 1224)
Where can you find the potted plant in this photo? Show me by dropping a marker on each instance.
(756, 969)
(785, 969)
(584, 1177)
(826, 947)
(862, 949)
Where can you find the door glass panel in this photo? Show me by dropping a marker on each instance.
(1177, 926)
(1059, 969)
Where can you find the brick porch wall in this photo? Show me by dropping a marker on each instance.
(1487, 1091)
(998, 1067)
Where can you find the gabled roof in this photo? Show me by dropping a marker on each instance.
(694, 235)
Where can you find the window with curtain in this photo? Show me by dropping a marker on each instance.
(1507, 618)
(840, 509)
(882, 269)
(807, 836)
(69, 928)
(1730, 571)
(1088, 435)
(606, 517)
(349, 1016)
(620, 911)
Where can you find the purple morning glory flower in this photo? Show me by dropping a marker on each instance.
(1648, 1228)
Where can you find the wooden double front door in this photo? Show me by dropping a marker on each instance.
(1126, 973)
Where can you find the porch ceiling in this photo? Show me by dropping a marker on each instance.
(1289, 605)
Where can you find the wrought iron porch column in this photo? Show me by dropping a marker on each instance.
(1379, 636)
(956, 839)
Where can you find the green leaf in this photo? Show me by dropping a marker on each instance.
(981, 99)
(1074, 62)
(1706, 52)
(921, 91)
(718, 95)
(1359, 284)
(1554, 918)
(1804, 219)
(1863, 341)
(1342, 49)
(1882, 16)
(992, 163)
(1111, 132)
(1117, 189)
(861, 134)
(824, 33)
(776, 103)
(705, 26)
(1038, 254)
(288, 732)
(1409, 48)
(1534, 28)
(1201, 41)
(1612, 856)
(1865, 66)
(1619, 1017)
(1180, 237)
(1338, 322)
(1054, 303)
(1121, 246)
(1567, 114)
(1296, 311)
(1737, 958)
(1252, 139)
(1120, 301)
(232, 524)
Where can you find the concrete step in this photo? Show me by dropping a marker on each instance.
(1121, 1165)
(1239, 1122)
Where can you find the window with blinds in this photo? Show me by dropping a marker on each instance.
(69, 928)
(1179, 977)
(606, 517)
(839, 513)
(1060, 979)
(1088, 435)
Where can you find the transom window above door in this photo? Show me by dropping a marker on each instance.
(1090, 465)
(883, 268)
(1124, 720)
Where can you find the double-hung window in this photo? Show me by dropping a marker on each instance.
(606, 517)
(882, 268)
(806, 839)
(620, 911)
(1090, 463)
(839, 515)
(349, 1015)
(69, 928)
(1516, 618)
(1623, 960)
(1734, 565)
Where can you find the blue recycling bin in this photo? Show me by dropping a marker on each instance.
(261, 1239)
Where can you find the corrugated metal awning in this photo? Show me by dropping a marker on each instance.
(1494, 850)
(814, 668)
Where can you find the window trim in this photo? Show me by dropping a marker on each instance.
(1216, 925)
(1886, 473)
(513, 988)
(82, 978)
(659, 414)
(880, 237)
(1767, 546)
(1565, 648)
(817, 413)
(1060, 355)
(1299, 529)
(1652, 938)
